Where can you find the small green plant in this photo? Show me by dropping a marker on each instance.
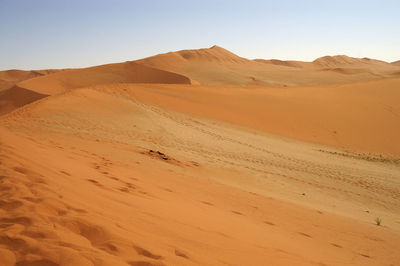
(378, 221)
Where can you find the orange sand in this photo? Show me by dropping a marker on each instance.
(95, 172)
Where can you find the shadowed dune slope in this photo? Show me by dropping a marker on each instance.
(218, 66)
(360, 117)
(16, 97)
(128, 72)
(9, 78)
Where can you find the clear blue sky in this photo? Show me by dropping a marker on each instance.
(76, 33)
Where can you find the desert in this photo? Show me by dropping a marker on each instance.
(201, 157)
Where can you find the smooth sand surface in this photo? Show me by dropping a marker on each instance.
(128, 72)
(100, 176)
(106, 166)
(362, 118)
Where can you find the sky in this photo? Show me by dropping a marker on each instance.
(44, 34)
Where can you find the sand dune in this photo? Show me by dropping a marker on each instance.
(128, 72)
(361, 117)
(12, 96)
(102, 176)
(9, 78)
(218, 66)
(151, 163)
(333, 62)
(289, 63)
(343, 60)
(16, 97)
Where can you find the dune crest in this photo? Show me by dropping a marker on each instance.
(128, 72)
(343, 60)
(218, 66)
(9, 78)
(396, 63)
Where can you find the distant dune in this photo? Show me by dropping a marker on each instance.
(9, 78)
(396, 63)
(218, 66)
(12, 98)
(128, 72)
(290, 63)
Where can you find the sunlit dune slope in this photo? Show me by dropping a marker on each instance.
(218, 66)
(128, 72)
(360, 117)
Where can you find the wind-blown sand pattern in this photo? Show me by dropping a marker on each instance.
(111, 171)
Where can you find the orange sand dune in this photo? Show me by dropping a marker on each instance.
(217, 66)
(128, 72)
(289, 63)
(332, 62)
(109, 166)
(109, 176)
(16, 97)
(360, 117)
(343, 60)
(9, 78)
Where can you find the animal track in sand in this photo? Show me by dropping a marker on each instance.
(304, 234)
(21, 170)
(269, 223)
(65, 173)
(124, 189)
(273, 162)
(181, 254)
(95, 182)
(144, 252)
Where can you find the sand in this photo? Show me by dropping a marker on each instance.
(128, 72)
(362, 118)
(217, 66)
(15, 97)
(10, 78)
(96, 171)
